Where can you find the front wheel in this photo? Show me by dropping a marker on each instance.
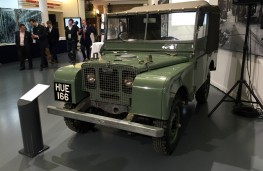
(172, 130)
(78, 126)
(203, 92)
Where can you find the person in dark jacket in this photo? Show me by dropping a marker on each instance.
(23, 42)
(85, 40)
(71, 33)
(40, 35)
(53, 38)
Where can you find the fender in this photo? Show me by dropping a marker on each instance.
(154, 91)
(71, 75)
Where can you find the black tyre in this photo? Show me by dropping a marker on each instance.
(203, 92)
(78, 126)
(172, 130)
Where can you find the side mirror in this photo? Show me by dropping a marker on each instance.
(123, 36)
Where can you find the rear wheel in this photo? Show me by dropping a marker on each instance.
(172, 131)
(203, 92)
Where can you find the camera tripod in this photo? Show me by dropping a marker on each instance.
(239, 107)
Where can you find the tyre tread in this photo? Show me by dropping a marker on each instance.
(77, 126)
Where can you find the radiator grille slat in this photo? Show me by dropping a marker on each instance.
(109, 79)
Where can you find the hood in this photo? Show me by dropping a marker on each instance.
(141, 60)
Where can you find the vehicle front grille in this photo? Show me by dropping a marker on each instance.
(110, 82)
(109, 79)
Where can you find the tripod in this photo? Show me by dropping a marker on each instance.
(249, 111)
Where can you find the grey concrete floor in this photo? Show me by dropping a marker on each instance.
(225, 142)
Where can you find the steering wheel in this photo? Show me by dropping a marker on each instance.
(123, 35)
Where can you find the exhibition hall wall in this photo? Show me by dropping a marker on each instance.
(72, 8)
(231, 46)
(228, 72)
(11, 18)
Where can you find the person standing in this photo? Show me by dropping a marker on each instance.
(39, 34)
(53, 38)
(92, 33)
(76, 24)
(85, 40)
(71, 32)
(23, 42)
(122, 27)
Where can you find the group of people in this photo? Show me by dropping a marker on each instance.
(72, 32)
(46, 38)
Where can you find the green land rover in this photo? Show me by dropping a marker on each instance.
(154, 60)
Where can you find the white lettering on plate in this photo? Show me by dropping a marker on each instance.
(62, 91)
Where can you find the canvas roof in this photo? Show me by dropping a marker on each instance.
(182, 6)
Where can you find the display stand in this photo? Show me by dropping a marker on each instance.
(28, 109)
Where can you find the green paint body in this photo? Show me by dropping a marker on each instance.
(157, 79)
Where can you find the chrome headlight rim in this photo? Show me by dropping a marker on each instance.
(91, 78)
(128, 82)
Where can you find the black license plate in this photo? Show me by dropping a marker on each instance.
(62, 92)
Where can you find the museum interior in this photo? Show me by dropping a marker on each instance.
(131, 85)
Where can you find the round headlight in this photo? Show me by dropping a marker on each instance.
(91, 78)
(128, 82)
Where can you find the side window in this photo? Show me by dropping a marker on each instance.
(203, 30)
(180, 26)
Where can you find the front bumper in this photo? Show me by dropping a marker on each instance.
(109, 122)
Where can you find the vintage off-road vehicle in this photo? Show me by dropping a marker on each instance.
(154, 60)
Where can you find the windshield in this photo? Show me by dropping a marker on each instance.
(157, 27)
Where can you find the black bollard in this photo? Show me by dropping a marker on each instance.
(28, 109)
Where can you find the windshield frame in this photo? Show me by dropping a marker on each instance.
(195, 27)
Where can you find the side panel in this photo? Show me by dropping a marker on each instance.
(72, 76)
(173, 83)
(200, 70)
(154, 90)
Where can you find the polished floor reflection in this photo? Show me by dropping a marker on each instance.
(224, 142)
